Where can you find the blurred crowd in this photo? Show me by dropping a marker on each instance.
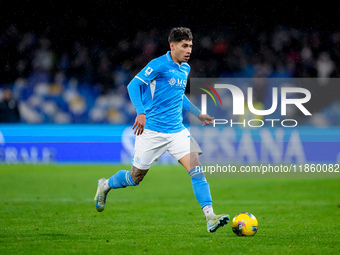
(85, 81)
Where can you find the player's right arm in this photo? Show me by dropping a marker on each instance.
(135, 88)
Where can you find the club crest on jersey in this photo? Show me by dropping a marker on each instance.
(172, 81)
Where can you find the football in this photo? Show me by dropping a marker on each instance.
(244, 224)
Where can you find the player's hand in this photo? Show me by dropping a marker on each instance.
(139, 124)
(206, 119)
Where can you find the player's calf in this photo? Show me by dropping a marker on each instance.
(137, 174)
(202, 193)
(121, 179)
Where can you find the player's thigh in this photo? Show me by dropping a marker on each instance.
(183, 144)
(149, 146)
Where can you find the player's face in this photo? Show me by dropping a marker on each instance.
(180, 51)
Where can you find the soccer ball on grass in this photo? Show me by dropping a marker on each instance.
(244, 224)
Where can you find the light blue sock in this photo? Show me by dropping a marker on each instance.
(121, 179)
(200, 186)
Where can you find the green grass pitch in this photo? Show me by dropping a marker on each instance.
(48, 209)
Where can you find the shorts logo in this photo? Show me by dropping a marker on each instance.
(148, 71)
(138, 159)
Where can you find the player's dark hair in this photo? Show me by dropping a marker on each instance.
(178, 34)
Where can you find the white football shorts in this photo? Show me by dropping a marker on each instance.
(151, 145)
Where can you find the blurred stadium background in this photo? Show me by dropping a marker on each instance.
(70, 64)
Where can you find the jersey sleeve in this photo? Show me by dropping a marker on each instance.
(187, 105)
(134, 88)
(150, 72)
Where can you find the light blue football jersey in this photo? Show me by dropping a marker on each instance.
(163, 91)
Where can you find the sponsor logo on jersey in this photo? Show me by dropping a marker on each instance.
(178, 82)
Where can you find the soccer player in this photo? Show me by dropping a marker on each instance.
(157, 93)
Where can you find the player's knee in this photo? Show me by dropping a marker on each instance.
(194, 160)
(137, 175)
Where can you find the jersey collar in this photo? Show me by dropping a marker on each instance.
(168, 55)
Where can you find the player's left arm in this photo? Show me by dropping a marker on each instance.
(190, 107)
